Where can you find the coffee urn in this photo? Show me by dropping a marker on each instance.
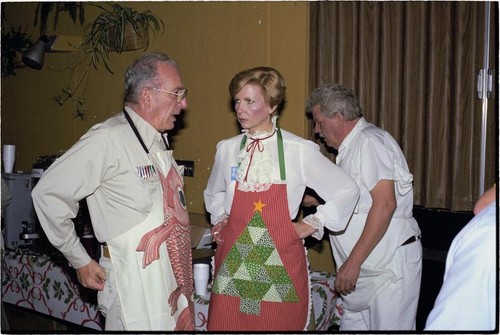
(20, 223)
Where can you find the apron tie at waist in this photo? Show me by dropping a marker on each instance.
(411, 240)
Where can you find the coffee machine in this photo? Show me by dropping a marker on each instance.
(20, 223)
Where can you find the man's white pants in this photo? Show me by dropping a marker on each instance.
(108, 300)
(395, 306)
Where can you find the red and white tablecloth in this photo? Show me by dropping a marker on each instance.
(48, 285)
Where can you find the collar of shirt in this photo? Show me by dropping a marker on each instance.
(262, 134)
(350, 137)
(149, 135)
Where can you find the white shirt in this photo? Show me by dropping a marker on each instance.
(104, 166)
(305, 165)
(468, 298)
(370, 154)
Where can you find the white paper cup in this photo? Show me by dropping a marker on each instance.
(9, 151)
(200, 286)
(8, 165)
(8, 157)
(201, 274)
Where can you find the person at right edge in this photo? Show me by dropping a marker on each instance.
(379, 255)
(471, 275)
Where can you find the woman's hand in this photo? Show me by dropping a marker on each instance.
(217, 231)
(303, 230)
(310, 201)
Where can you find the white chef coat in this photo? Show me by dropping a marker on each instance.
(370, 154)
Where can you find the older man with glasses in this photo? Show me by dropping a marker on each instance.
(180, 94)
(125, 170)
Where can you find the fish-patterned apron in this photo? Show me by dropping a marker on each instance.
(261, 278)
(161, 263)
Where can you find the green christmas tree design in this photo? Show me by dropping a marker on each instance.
(253, 269)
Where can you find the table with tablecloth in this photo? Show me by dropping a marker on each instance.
(325, 307)
(47, 284)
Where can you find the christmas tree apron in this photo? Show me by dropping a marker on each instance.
(261, 278)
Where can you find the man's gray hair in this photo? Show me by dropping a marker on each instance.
(143, 73)
(335, 99)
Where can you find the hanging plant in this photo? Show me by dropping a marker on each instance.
(14, 43)
(117, 29)
(75, 10)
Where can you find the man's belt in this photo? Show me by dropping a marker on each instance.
(105, 251)
(412, 239)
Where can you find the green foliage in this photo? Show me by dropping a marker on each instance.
(74, 9)
(108, 33)
(14, 41)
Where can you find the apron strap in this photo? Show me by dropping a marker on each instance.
(136, 132)
(281, 154)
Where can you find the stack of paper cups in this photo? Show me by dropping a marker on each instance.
(8, 157)
(201, 273)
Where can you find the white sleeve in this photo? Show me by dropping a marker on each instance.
(215, 193)
(69, 179)
(470, 279)
(339, 191)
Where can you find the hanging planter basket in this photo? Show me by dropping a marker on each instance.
(119, 29)
(116, 29)
(132, 39)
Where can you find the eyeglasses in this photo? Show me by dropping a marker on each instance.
(180, 94)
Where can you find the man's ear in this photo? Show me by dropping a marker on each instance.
(145, 97)
(339, 117)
